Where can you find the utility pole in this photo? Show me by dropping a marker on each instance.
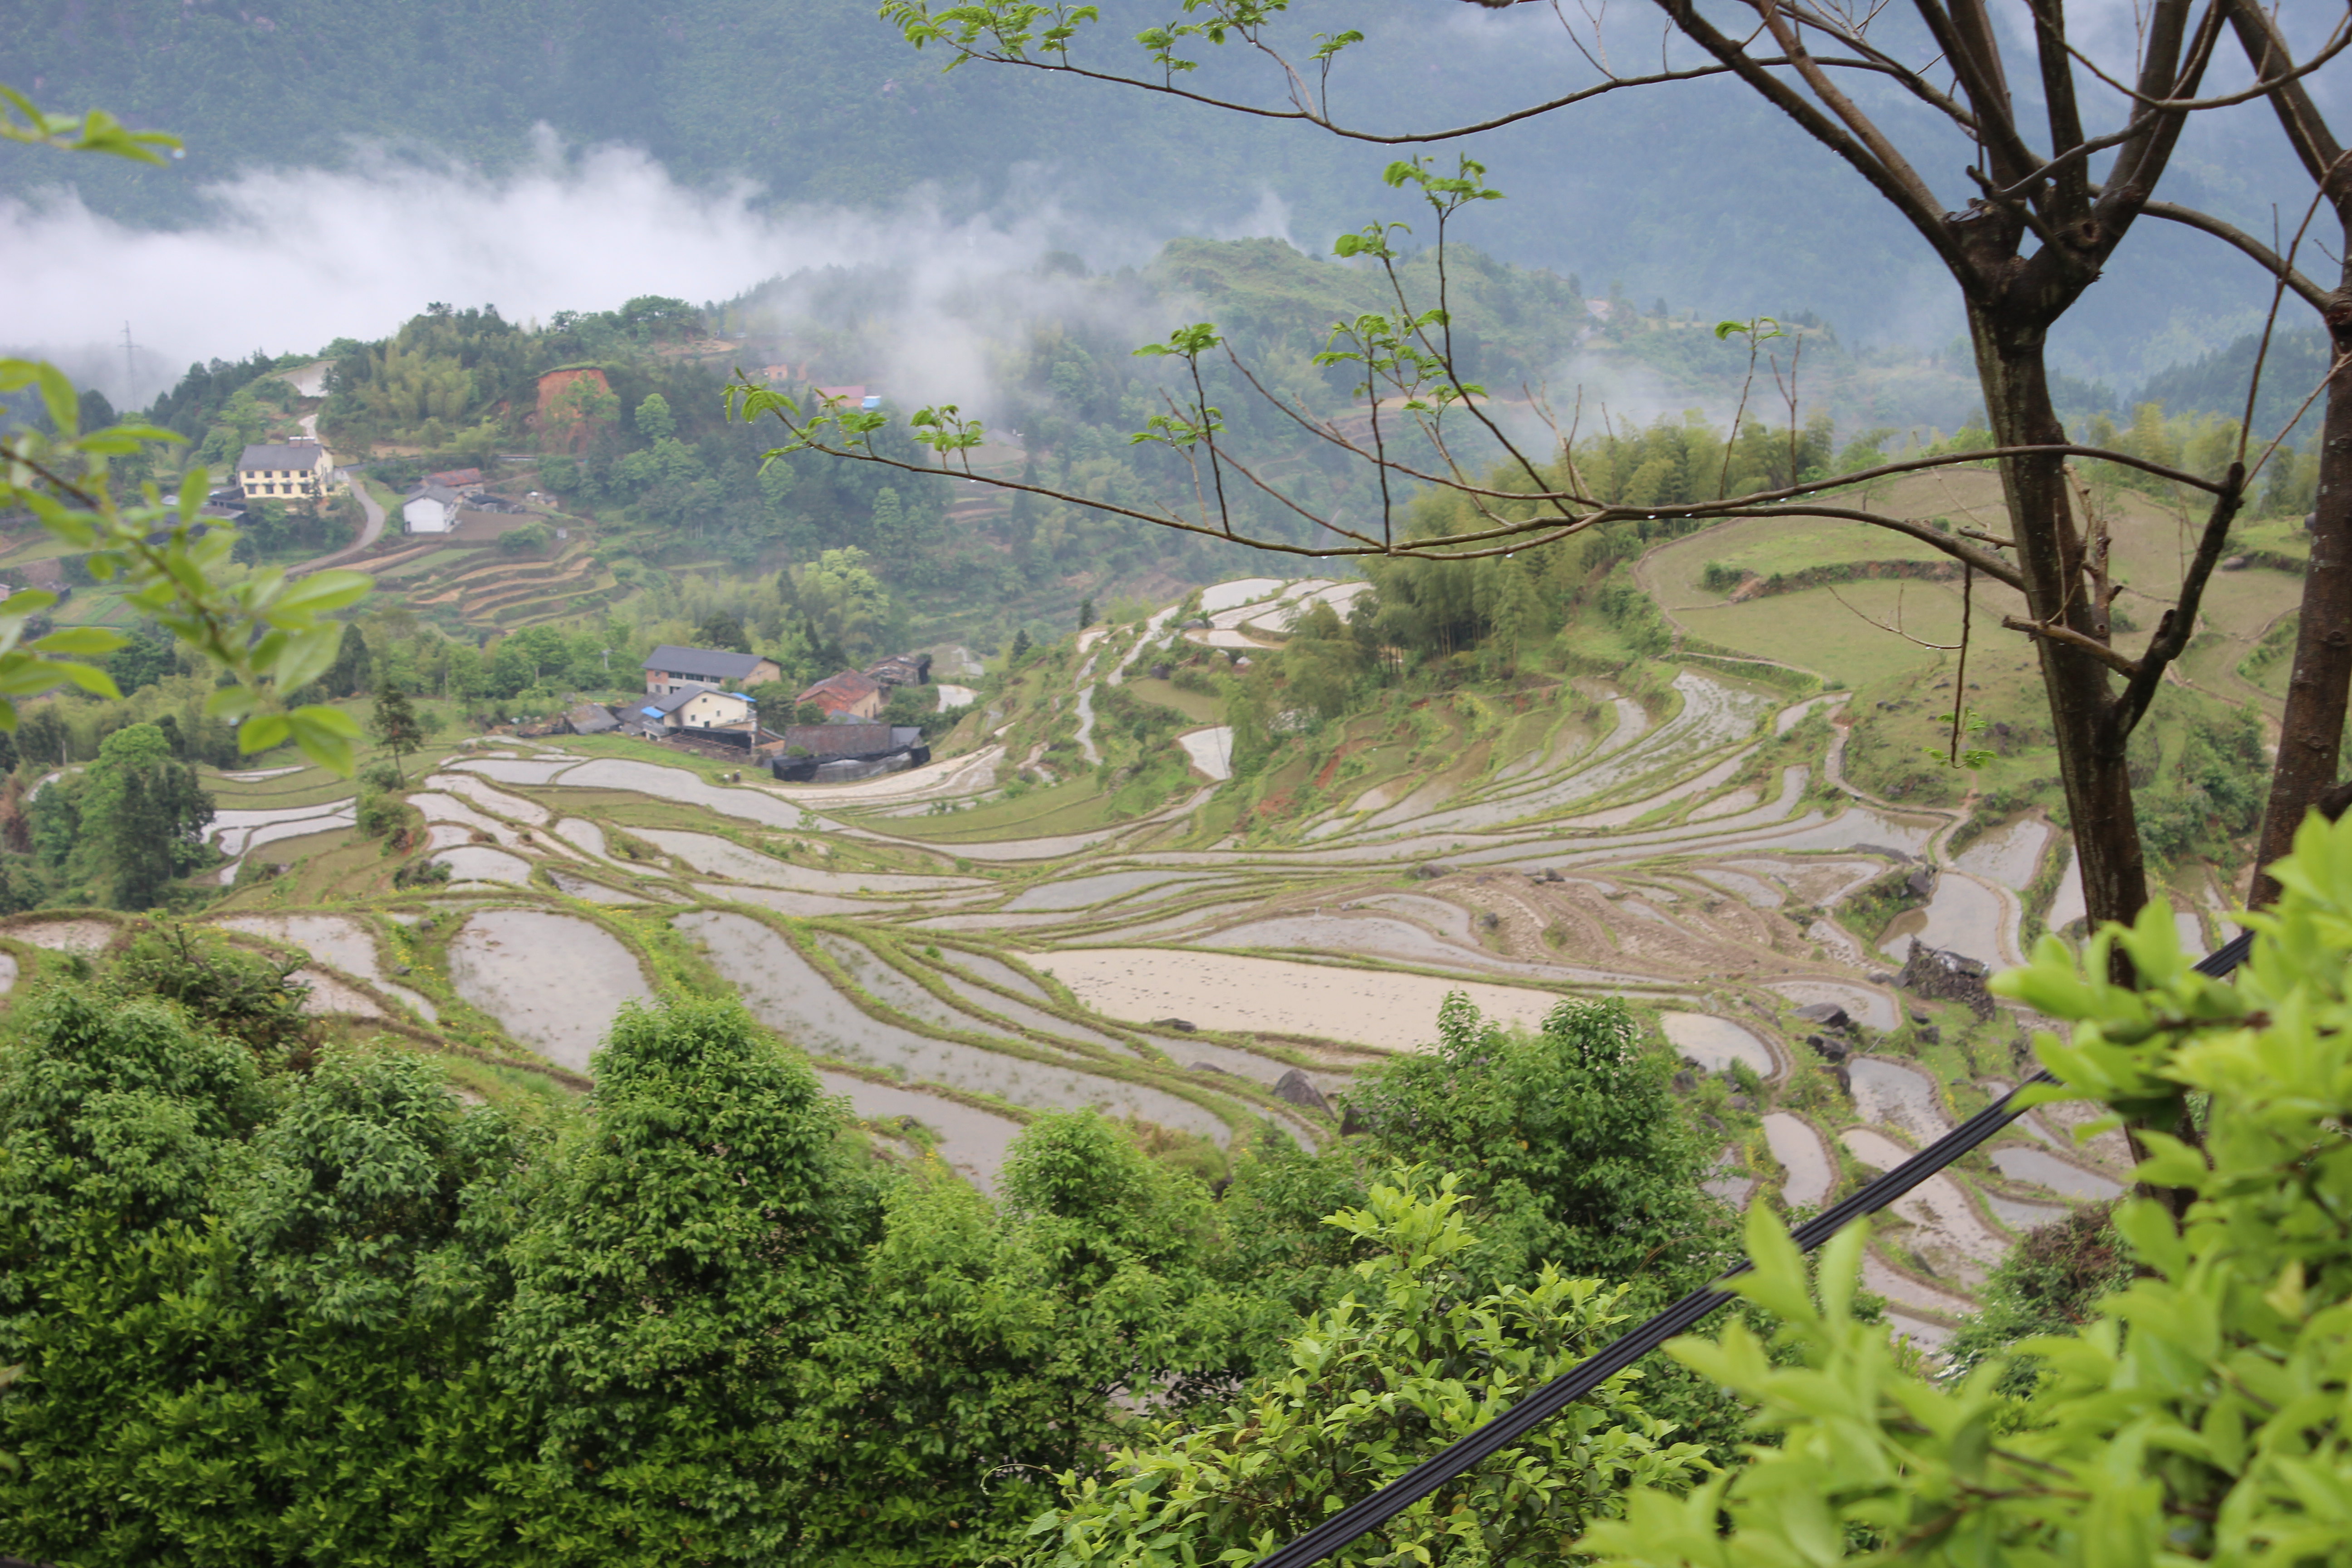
(130, 371)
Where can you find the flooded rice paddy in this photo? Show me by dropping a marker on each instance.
(1715, 1043)
(1810, 1172)
(553, 982)
(1383, 1010)
(788, 994)
(2061, 1177)
(1892, 1094)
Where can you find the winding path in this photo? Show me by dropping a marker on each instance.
(370, 531)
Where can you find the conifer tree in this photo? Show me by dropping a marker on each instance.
(397, 728)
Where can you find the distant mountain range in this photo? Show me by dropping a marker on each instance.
(1695, 192)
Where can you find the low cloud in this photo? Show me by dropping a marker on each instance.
(295, 258)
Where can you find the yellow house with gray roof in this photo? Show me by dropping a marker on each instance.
(293, 471)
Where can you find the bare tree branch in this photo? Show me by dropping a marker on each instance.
(2058, 632)
(2270, 260)
(2262, 88)
(2173, 628)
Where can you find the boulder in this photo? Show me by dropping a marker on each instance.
(1354, 1121)
(1179, 1024)
(1944, 976)
(1298, 1089)
(1828, 1015)
(1212, 1067)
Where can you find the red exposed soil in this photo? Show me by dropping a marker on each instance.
(571, 434)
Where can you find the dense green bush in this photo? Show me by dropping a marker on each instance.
(1569, 1137)
(279, 1300)
(2201, 1416)
(1416, 1356)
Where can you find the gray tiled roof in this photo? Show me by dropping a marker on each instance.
(304, 456)
(702, 663)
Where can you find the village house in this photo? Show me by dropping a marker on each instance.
(696, 708)
(457, 479)
(433, 509)
(849, 694)
(668, 668)
(289, 471)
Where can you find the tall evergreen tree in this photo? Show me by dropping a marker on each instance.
(395, 724)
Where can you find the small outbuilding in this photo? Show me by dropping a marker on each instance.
(838, 753)
(590, 718)
(901, 670)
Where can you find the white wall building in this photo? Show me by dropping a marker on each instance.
(432, 510)
(695, 707)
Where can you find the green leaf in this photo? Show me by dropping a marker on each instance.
(89, 676)
(81, 640)
(230, 702)
(324, 590)
(325, 737)
(262, 732)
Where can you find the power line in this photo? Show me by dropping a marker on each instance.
(1369, 1513)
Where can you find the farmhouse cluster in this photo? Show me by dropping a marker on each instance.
(704, 695)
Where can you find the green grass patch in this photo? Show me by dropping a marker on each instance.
(1075, 806)
(1196, 705)
(1819, 629)
(1768, 546)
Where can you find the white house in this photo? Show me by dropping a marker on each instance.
(432, 510)
(696, 708)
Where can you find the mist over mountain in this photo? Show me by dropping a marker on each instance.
(402, 146)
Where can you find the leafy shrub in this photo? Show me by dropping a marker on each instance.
(228, 990)
(379, 813)
(2202, 1414)
(421, 873)
(1415, 1357)
(1570, 1136)
(530, 539)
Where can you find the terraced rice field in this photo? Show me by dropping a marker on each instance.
(956, 963)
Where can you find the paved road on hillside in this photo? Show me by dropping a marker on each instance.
(369, 533)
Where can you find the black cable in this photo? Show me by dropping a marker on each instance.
(1369, 1513)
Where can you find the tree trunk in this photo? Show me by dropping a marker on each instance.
(2049, 555)
(2311, 734)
